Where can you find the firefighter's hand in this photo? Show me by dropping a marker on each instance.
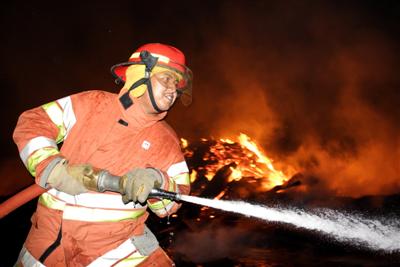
(69, 178)
(137, 184)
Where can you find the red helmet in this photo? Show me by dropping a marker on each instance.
(167, 57)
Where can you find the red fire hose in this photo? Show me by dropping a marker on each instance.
(20, 199)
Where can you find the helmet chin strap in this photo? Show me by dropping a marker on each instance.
(151, 95)
(149, 61)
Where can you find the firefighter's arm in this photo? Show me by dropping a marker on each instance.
(175, 179)
(38, 133)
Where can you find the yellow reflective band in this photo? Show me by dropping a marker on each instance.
(159, 204)
(55, 113)
(38, 156)
(177, 168)
(132, 260)
(79, 213)
(171, 186)
(68, 113)
(49, 201)
(164, 204)
(35, 144)
(182, 179)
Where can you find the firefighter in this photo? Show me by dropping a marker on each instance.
(66, 144)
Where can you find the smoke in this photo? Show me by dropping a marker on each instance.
(356, 150)
(315, 84)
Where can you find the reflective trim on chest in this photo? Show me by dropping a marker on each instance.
(91, 207)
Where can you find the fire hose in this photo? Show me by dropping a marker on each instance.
(20, 199)
(103, 182)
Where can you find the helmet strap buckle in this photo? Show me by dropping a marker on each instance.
(148, 60)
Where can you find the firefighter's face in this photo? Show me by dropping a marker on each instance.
(164, 86)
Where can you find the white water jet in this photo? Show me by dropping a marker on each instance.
(366, 232)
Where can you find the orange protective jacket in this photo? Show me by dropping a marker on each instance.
(94, 128)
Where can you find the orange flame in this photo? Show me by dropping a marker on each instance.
(274, 176)
(246, 158)
(184, 143)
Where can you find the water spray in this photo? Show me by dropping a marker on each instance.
(353, 229)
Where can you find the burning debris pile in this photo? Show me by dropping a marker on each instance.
(238, 170)
(223, 168)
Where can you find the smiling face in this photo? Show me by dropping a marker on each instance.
(164, 86)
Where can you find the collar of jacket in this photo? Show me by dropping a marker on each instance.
(135, 116)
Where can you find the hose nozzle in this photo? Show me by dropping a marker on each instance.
(159, 193)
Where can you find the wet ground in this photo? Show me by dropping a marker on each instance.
(207, 237)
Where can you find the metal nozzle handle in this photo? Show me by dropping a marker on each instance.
(108, 182)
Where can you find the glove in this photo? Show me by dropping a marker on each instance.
(69, 178)
(137, 184)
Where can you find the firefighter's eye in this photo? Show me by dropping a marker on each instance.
(167, 79)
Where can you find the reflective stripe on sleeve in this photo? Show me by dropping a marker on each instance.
(35, 144)
(38, 156)
(123, 256)
(62, 115)
(182, 178)
(177, 168)
(164, 204)
(26, 259)
(69, 117)
(56, 115)
(179, 174)
(159, 205)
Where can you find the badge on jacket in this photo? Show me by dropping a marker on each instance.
(146, 145)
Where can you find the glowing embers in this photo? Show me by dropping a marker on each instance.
(238, 159)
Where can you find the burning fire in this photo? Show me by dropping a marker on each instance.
(245, 158)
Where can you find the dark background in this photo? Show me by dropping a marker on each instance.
(315, 82)
(311, 81)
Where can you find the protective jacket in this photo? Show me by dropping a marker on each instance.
(96, 229)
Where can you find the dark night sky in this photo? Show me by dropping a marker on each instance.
(298, 76)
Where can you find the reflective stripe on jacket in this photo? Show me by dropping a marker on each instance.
(89, 213)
